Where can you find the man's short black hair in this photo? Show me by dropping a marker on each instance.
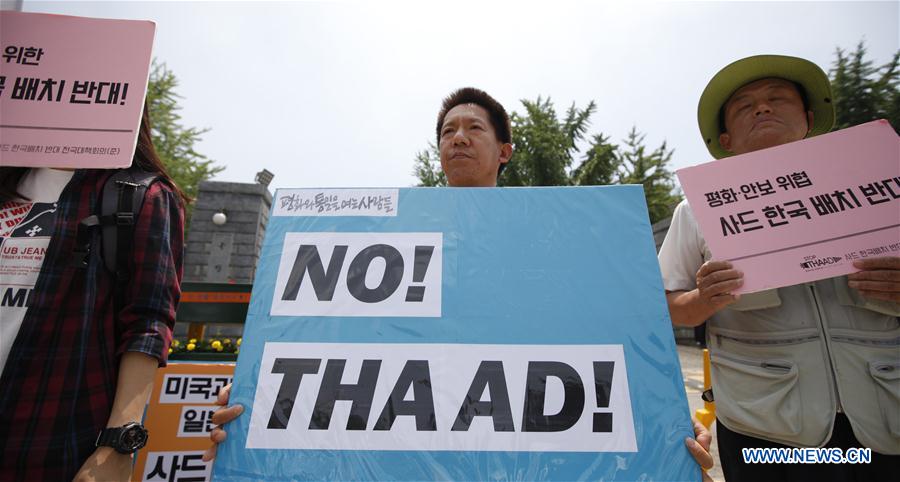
(496, 112)
(799, 88)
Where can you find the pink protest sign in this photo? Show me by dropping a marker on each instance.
(71, 89)
(802, 211)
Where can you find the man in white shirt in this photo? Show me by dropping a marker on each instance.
(803, 366)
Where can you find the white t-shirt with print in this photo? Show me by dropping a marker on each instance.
(25, 229)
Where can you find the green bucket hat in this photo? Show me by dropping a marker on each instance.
(750, 69)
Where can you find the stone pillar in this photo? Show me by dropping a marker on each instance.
(226, 253)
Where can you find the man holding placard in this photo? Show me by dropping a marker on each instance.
(475, 140)
(807, 365)
(474, 137)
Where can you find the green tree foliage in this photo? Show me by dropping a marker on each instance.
(649, 169)
(547, 153)
(428, 167)
(600, 165)
(864, 92)
(175, 143)
(544, 145)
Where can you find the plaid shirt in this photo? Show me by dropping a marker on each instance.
(59, 382)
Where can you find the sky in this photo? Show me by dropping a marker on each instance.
(345, 93)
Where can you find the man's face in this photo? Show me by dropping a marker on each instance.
(764, 113)
(470, 151)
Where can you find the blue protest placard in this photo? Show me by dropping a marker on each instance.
(458, 334)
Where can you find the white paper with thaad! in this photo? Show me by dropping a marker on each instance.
(519, 398)
(802, 211)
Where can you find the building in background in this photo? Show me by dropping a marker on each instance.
(226, 231)
(222, 249)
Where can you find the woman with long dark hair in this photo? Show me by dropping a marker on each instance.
(79, 347)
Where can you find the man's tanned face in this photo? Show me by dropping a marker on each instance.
(471, 154)
(765, 113)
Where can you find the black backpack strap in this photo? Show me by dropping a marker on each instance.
(120, 205)
(123, 225)
(83, 240)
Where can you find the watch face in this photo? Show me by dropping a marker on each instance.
(133, 438)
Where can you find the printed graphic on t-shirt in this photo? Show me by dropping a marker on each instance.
(23, 242)
(25, 230)
(11, 214)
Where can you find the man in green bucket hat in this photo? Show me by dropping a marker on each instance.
(810, 365)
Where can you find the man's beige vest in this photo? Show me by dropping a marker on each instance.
(785, 361)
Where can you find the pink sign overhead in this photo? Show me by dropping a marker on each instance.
(802, 211)
(71, 89)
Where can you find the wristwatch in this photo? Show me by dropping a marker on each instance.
(125, 439)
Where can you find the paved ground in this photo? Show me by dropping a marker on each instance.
(692, 369)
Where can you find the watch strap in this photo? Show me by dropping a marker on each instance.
(108, 436)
